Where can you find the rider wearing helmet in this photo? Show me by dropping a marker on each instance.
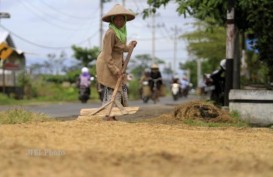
(223, 64)
(218, 80)
(155, 76)
(85, 77)
(84, 80)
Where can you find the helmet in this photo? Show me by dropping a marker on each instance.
(85, 70)
(223, 64)
(147, 70)
(154, 66)
(176, 76)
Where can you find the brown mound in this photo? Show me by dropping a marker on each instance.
(198, 110)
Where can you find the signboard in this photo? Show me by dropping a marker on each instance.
(5, 51)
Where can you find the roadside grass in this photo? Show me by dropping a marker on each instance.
(19, 115)
(48, 94)
(235, 122)
(5, 100)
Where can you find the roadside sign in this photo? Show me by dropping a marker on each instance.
(5, 51)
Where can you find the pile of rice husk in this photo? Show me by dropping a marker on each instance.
(204, 111)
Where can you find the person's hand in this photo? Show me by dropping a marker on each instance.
(120, 74)
(133, 43)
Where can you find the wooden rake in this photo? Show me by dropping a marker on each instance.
(119, 82)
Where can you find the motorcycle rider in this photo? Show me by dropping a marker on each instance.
(185, 86)
(156, 78)
(217, 79)
(155, 74)
(175, 87)
(145, 76)
(175, 79)
(83, 83)
(144, 84)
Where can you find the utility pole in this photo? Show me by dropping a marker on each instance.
(123, 3)
(229, 50)
(199, 71)
(176, 30)
(154, 26)
(101, 28)
(153, 40)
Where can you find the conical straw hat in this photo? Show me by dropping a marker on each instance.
(118, 10)
(154, 66)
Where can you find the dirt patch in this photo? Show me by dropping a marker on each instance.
(93, 147)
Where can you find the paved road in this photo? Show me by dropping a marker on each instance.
(64, 110)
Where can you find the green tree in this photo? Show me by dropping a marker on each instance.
(207, 42)
(86, 56)
(140, 62)
(250, 16)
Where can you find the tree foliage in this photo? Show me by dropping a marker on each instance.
(141, 62)
(85, 55)
(260, 18)
(207, 44)
(250, 16)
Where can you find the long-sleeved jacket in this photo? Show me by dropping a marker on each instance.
(110, 60)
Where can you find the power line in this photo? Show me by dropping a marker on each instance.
(44, 19)
(44, 46)
(46, 13)
(63, 13)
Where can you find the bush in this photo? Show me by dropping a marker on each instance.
(4, 99)
(134, 89)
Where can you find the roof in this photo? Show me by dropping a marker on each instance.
(5, 37)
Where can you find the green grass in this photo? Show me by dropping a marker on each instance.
(5, 100)
(19, 115)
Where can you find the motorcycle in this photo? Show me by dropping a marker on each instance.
(155, 91)
(175, 90)
(146, 91)
(216, 85)
(84, 94)
(84, 88)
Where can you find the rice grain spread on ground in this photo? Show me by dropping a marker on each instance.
(138, 145)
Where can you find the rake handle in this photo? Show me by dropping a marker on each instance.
(120, 79)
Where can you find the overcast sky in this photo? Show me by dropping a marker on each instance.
(40, 27)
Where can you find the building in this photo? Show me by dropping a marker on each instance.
(11, 68)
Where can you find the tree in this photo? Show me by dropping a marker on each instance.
(207, 42)
(141, 62)
(260, 18)
(86, 56)
(251, 16)
(55, 63)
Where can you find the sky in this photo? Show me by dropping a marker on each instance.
(42, 27)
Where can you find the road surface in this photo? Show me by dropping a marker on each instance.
(66, 110)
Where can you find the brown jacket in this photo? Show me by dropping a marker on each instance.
(110, 60)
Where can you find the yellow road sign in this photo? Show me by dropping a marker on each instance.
(5, 51)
